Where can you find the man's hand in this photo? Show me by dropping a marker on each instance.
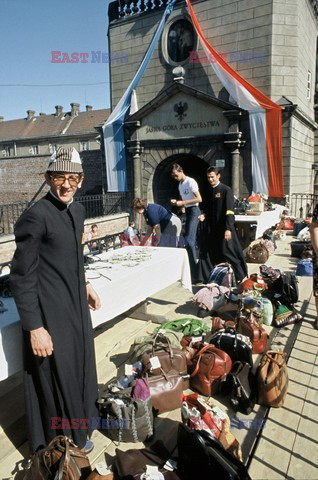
(41, 342)
(227, 235)
(201, 217)
(173, 201)
(92, 298)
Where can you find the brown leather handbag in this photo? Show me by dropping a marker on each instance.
(170, 358)
(248, 326)
(272, 379)
(166, 390)
(61, 460)
(209, 366)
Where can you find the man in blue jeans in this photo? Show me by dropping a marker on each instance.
(189, 192)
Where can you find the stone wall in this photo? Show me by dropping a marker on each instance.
(22, 177)
(294, 52)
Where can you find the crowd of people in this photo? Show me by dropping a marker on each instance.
(215, 241)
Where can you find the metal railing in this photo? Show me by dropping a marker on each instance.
(303, 204)
(126, 8)
(9, 214)
(95, 206)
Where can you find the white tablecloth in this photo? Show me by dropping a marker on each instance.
(10, 339)
(122, 278)
(263, 221)
(135, 273)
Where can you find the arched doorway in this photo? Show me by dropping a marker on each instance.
(165, 188)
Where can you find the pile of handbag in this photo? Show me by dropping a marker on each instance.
(282, 291)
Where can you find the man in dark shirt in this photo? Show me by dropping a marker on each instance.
(52, 297)
(222, 241)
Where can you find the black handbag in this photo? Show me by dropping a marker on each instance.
(226, 307)
(237, 346)
(132, 463)
(202, 456)
(241, 384)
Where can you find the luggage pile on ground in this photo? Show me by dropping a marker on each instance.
(211, 356)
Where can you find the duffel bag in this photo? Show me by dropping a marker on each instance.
(222, 274)
(163, 356)
(60, 457)
(145, 343)
(257, 334)
(236, 345)
(272, 379)
(257, 252)
(209, 366)
(189, 327)
(166, 390)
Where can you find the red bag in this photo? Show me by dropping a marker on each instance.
(209, 366)
(286, 224)
(248, 326)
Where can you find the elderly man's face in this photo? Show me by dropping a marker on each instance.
(64, 185)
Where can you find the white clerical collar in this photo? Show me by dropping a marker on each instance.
(67, 204)
(214, 186)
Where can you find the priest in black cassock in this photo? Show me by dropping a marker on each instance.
(53, 300)
(222, 243)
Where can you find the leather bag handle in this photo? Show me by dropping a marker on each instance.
(168, 344)
(272, 359)
(204, 349)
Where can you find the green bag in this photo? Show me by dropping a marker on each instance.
(268, 311)
(142, 345)
(189, 327)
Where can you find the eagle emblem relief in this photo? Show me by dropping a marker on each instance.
(180, 109)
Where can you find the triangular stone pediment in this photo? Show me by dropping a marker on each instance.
(181, 111)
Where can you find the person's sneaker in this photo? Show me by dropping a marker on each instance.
(89, 445)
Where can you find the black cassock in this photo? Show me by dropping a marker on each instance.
(48, 285)
(219, 211)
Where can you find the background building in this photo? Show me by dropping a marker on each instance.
(26, 145)
(271, 43)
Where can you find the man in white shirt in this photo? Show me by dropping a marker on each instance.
(190, 195)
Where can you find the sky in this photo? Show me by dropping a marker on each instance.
(30, 31)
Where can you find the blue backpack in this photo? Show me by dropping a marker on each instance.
(305, 268)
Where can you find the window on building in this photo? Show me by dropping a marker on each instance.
(7, 150)
(84, 146)
(52, 147)
(34, 150)
(308, 94)
(180, 40)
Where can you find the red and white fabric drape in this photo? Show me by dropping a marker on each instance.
(265, 118)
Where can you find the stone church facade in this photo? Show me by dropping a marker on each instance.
(186, 116)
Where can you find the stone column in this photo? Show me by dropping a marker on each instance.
(135, 149)
(233, 142)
